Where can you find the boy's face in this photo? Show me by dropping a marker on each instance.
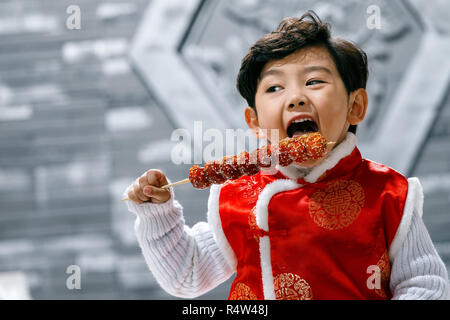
(304, 92)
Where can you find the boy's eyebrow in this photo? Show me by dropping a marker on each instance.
(305, 70)
(317, 68)
(270, 72)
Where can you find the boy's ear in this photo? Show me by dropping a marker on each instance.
(252, 121)
(358, 107)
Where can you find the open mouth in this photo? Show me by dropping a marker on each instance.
(301, 126)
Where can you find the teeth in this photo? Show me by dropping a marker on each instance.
(301, 120)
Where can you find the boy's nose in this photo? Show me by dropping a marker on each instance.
(300, 103)
(296, 98)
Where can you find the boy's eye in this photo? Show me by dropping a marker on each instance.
(274, 89)
(312, 82)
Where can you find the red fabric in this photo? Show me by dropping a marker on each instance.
(323, 235)
(236, 201)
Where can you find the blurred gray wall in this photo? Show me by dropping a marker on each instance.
(83, 112)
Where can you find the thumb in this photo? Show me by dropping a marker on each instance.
(157, 194)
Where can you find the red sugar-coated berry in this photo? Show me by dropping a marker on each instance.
(307, 146)
(262, 157)
(245, 166)
(297, 149)
(198, 177)
(212, 169)
(230, 168)
(281, 151)
(315, 145)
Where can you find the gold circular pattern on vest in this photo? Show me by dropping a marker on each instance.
(338, 205)
(242, 292)
(290, 286)
(385, 270)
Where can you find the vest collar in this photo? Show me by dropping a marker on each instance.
(341, 151)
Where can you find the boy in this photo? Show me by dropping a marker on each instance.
(341, 227)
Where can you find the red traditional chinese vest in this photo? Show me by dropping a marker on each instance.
(327, 239)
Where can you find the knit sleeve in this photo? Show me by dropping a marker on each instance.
(418, 272)
(186, 261)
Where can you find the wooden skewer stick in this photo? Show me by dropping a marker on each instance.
(175, 183)
(168, 186)
(187, 179)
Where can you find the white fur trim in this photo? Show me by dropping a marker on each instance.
(341, 151)
(414, 201)
(262, 220)
(261, 209)
(216, 226)
(290, 171)
(266, 268)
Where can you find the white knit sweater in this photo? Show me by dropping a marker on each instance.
(188, 262)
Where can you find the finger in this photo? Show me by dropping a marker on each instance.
(142, 180)
(162, 180)
(138, 192)
(132, 196)
(151, 177)
(157, 195)
(156, 177)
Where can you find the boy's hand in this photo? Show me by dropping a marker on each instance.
(146, 188)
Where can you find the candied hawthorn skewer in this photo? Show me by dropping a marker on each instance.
(282, 151)
(246, 166)
(212, 169)
(262, 156)
(217, 172)
(315, 146)
(230, 168)
(198, 177)
(296, 149)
